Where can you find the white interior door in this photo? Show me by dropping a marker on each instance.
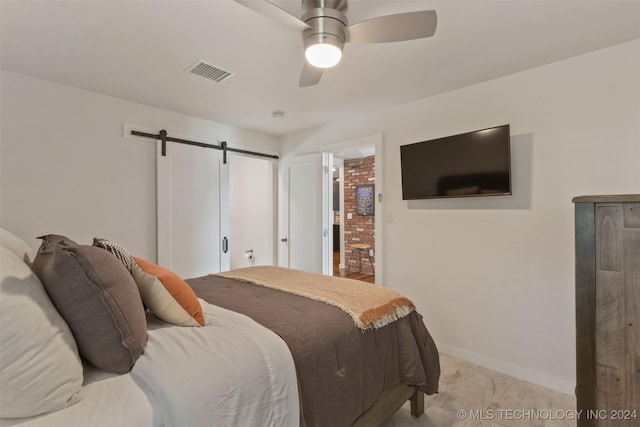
(192, 210)
(306, 241)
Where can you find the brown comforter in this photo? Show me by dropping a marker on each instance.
(341, 370)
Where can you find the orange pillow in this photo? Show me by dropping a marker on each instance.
(168, 296)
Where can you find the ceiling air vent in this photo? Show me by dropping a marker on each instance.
(210, 72)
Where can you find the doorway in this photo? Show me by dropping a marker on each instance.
(306, 214)
(354, 225)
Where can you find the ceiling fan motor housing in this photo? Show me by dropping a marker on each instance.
(327, 26)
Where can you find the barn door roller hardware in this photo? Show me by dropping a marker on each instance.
(164, 138)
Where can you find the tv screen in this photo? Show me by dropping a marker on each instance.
(469, 164)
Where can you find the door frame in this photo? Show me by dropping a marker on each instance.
(374, 140)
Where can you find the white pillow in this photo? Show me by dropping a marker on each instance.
(40, 370)
(17, 246)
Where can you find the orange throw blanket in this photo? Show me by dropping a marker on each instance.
(370, 306)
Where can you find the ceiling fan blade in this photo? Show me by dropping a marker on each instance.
(394, 28)
(273, 11)
(310, 75)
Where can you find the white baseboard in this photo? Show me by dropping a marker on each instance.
(521, 372)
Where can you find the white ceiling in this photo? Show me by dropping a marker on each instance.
(140, 50)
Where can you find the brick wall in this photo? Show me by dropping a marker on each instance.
(360, 228)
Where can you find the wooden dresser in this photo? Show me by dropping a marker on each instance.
(608, 310)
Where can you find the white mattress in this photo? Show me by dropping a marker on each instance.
(232, 372)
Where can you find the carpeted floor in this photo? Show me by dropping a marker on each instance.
(471, 395)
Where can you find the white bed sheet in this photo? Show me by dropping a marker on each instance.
(231, 372)
(107, 400)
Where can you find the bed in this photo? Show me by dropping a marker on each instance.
(261, 346)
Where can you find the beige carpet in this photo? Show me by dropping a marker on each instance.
(474, 396)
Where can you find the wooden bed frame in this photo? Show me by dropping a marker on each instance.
(388, 404)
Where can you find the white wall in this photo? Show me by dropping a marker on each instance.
(252, 202)
(66, 167)
(494, 277)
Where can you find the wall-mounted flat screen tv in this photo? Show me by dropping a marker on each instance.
(469, 164)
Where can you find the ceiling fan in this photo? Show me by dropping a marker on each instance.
(325, 29)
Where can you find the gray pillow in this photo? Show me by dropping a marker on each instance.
(98, 299)
(57, 239)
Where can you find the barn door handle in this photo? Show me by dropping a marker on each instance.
(225, 245)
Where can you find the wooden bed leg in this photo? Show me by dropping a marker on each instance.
(417, 403)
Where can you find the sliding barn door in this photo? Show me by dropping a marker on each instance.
(192, 210)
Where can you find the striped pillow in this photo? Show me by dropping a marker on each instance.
(120, 252)
(165, 294)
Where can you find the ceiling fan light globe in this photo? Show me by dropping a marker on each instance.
(323, 55)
